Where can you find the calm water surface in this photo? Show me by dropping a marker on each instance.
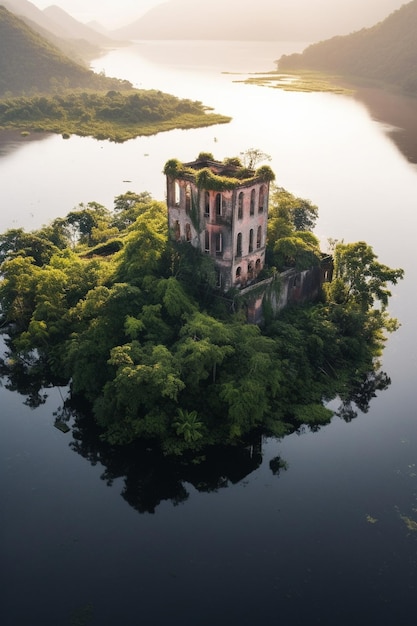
(92, 537)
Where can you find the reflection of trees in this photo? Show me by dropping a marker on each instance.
(30, 376)
(25, 378)
(361, 393)
(278, 465)
(150, 478)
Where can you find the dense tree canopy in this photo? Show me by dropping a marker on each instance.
(101, 300)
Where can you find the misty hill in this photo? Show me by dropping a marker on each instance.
(73, 38)
(385, 53)
(29, 63)
(75, 29)
(274, 20)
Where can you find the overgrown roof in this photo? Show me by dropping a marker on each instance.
(207, 173)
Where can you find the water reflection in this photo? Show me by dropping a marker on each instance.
(150, 478)
(398, 113)
(13, 140)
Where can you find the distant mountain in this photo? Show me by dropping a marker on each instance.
(386, 53)
(277, 20)
(73, 38)
(75, 29)
(99, 28)
(29, 63)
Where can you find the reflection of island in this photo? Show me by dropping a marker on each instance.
(150, 478)
(398, 112)
(12, 140)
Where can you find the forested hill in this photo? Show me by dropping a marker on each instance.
(386, 52)
(30, 63)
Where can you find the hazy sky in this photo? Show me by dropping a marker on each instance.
(115, 13)
(111, 13)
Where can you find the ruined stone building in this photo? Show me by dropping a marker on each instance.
(222, 209)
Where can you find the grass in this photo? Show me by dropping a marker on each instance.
(302, 81)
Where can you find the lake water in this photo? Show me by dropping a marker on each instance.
(89, 536)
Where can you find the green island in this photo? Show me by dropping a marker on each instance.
(298, 80)
(107, 302)
(113, 115)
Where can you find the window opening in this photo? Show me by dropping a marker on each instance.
(259, 237)
(240, 206)
(207, 241)
(252, 202)
(188, 232)
(239, 245)
(261, 199)
(177, 194)
(219, 243)
(207, 204)
(218, 204)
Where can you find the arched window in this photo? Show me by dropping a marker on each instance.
(239, 245)
(218, 204)
(250, 271)
(240, 206)
(257, 266)
(207, 204)
(177, 194)
(238, 272)
(259, 237)
(207, 241)
(262, 197)
(188, 198)
(188, 232)
(219, 243)
(252, 202)
(251, 240)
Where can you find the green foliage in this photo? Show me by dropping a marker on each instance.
(206, 179)
(359, 279)
(141, 333)
(233, 173)
(188, 425)
(265, 173)
(290, 240)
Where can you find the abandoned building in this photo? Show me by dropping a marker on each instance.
(221, 208)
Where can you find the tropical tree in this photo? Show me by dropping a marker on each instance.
(359, 279)
(188, 425)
